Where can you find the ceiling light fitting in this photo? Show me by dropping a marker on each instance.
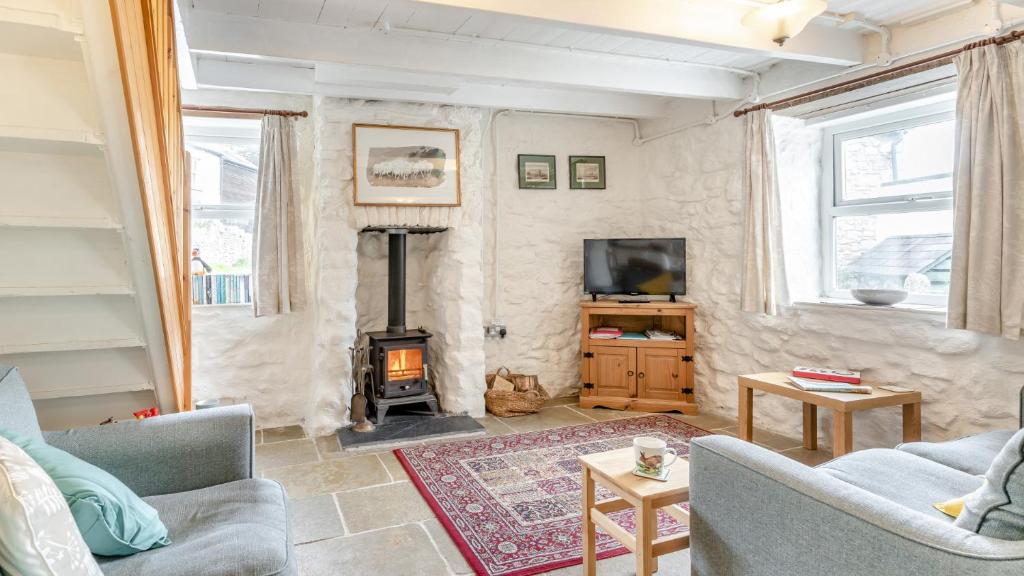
(784, 19)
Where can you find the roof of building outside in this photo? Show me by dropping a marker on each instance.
(227, 156)
(903, 255)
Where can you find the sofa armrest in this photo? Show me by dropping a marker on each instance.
(172, 453)
(756, 512)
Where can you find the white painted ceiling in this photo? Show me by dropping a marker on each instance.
(408, 15)
(369, 49)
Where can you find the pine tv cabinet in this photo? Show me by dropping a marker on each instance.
(644, 375)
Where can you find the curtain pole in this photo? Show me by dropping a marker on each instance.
(921, 65)
(196, 110)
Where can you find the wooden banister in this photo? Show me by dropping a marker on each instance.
(144, 33)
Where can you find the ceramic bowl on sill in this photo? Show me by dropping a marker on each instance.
(879, 297)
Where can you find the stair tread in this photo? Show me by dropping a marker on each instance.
(35, 291)
(71, 345)
(39, 393)
(98, 222)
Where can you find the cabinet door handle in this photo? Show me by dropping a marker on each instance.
(630, 373)
(675, 375)
(641, 374)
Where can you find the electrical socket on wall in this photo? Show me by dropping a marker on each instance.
(495, 329)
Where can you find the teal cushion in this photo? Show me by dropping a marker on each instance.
(112, 519)
(996, 509)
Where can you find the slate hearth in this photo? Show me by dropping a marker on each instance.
(403, 425)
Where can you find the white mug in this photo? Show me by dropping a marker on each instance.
(650, 455)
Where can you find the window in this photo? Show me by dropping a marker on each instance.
(887, 217)
(225, 157)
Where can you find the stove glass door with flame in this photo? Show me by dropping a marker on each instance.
(402, 367)
(405, 364)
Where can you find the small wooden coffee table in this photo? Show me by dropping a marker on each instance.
(843, 406)
(614, 471)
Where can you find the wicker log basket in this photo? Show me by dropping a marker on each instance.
(528, 397)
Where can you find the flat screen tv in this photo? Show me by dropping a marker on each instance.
(648, 266)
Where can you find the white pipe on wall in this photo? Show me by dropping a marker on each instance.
(495, 185)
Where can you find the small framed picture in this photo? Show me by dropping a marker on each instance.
(586, 172)
(536, 172)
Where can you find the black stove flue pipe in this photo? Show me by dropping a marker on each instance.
(396, 280)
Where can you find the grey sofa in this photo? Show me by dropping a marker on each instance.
(756, 512)
(196, 469)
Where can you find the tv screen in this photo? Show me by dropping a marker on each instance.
(652, 266)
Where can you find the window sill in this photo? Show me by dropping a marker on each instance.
(937, 312)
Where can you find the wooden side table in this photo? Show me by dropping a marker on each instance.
(843, 406)
(614, 471)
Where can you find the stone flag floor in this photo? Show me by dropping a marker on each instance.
(511, 503)
(352, 509)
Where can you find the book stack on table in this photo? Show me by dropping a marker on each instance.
(828, 380)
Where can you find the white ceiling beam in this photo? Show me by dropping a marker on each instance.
(712, 24)
(369, 84)
(460, 58)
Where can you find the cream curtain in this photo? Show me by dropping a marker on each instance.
(278, 283)
(764, 287)
(987, 285)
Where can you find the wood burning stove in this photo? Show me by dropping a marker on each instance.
(399, 358)
(399, 363)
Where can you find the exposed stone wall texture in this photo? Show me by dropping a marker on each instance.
(969, 381)
(295, 368)
(444, 286)
(540, 235)
(263, 361)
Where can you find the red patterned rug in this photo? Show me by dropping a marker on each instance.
(512, 503)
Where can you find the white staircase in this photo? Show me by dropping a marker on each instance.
(78, 311)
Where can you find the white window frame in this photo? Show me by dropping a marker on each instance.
(833, 205)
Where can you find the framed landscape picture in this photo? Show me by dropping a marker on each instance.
(536, 172)
(586, 172)
(405, 166)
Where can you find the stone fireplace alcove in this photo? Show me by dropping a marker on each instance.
(444, 287)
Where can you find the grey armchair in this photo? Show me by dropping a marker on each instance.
(196, 469)
(757, 513)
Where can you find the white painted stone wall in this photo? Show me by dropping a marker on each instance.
(445, 284)
(541, 236)
(970, 382)
(295, 369)
(263, 361)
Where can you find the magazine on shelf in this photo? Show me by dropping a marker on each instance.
(809, 385)
(605, 333)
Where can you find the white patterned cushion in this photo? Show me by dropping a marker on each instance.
(38, 536)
